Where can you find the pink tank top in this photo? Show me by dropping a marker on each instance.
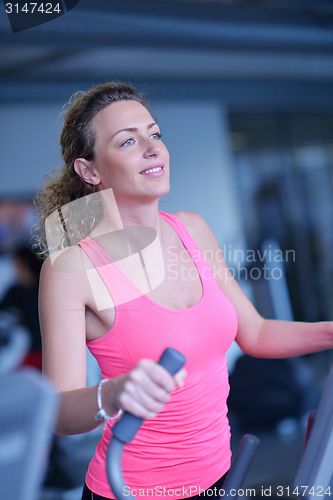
(186, 447)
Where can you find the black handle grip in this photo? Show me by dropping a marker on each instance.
(127, 426)
(240, 465)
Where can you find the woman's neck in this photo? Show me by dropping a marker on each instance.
(119, 215)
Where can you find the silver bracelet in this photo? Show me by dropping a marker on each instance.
(102, 414)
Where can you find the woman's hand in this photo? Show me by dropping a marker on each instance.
(145, 389)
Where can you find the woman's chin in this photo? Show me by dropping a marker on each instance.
(159, 192)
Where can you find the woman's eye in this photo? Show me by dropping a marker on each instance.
(157, 135)
(128, 142)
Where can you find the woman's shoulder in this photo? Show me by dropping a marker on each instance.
(68, 260)
(64, 278)
(193, 222)
(65, 270)
(198, 228)
(189, 218)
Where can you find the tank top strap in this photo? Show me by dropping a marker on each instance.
(120, 286)
(93, 250)
(188, 242)
(180, 229)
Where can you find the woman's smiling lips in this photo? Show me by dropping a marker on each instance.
(153, 171)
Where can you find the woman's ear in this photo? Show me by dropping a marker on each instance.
(85, 170)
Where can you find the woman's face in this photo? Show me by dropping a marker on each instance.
(131, 158)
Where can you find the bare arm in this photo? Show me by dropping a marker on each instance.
(282, 339)
(257, 336)
(143, 391)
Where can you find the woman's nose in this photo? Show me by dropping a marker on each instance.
(152, 148)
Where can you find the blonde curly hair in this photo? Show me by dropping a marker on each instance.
(64, 185)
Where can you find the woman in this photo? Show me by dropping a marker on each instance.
(110, 140)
